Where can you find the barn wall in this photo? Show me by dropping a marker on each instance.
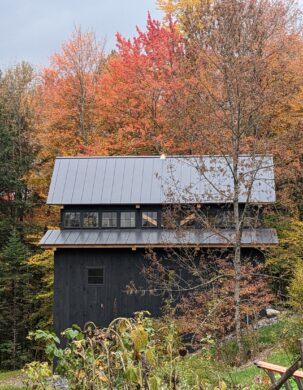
(75, 302)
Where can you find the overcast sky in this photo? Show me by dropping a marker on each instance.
(32, 30)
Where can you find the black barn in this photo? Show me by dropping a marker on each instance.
(112, 212)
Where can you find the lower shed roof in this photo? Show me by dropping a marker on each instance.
(113, 238)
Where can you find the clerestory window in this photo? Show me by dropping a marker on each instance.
(90, 219)
(72, 219)
(109, 219)
(128, 219)
(149, 219)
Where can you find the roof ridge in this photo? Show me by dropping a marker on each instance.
(158, 156)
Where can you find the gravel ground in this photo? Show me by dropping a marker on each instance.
(15, 381)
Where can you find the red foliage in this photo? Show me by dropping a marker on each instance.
(212, 311)
(138, 86)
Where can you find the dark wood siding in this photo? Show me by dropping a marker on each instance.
(76, 302)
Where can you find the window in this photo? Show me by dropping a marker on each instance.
(90, 219)
(72, 219)
(149, 219)
(128, 219)
(188, 220)
(95, 276)
(226, 218)
(109, 219)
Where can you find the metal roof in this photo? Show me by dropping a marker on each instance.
(155, 238)
(152, 180)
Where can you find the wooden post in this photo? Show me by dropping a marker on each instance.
(288, 373)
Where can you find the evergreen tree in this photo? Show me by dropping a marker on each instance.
(14, 302)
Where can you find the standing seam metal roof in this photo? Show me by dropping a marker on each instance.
(149, 237)
(151, 180)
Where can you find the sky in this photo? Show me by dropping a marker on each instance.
(32, 30)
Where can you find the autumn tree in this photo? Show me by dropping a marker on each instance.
(283, 260)
(141, 79)
(66, 118)
(282, 123)
(239, 76)
(197, 284)
(66, 94)
(41, 267)
(243, 50)
(17, 147)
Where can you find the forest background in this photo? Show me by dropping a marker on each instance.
(144, 98)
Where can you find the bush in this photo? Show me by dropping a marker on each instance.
(292, 332)
(129, 354)
(296, 289)
(37, 375)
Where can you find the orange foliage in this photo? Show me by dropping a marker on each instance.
(65, 99)
(212, 310)
(154, 95)
(66, 119)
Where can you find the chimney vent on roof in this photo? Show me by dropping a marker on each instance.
(163, 156)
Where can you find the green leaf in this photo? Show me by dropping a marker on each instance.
(132, 374)
(70, 334)
(150, 356)
(153, 383)
(140, 338)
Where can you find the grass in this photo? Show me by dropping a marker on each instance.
(246, 376)
(8, 374)
(6, 387)
(265, 344)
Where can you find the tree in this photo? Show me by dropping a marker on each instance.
(66, 118)
(66, 95)
(14, 302)
(140, 80)
(282, 121)
(41, 267)
(17, 147)
(286, 258)
(199, 283)
(239, 76)
(242, 49)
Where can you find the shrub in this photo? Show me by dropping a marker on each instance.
(37, 375)
(296, 289)
(129, 354)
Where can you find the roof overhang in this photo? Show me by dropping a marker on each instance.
(149, 238)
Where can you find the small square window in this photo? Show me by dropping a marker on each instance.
(95, 276)
(149, 219)
(109, 219)
(72, 219)
(128, 219)
(90, 219)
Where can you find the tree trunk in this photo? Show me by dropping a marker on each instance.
(14, 326)
(237, 243)
(83, 132)
(237, 294)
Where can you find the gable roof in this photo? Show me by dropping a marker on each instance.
(152, 180)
